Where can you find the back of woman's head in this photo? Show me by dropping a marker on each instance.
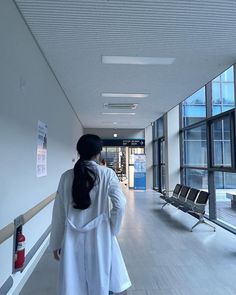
(88, 146)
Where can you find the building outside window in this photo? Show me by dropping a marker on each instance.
(225, 190)
(195, 149)
(221, 142)
(194, 140)
(223, 92)
(196, 178)
(194, 108)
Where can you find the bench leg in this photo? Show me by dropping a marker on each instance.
(202, 220)
(164, 205)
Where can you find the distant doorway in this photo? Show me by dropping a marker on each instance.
(121, 160)
(115, 158)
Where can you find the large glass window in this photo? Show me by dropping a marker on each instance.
(223, 92)
(196, 178)
(225, 185)
(195, 149)
(221, 142)
(213, 134)
(194, 108)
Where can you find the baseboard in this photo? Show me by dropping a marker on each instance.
(6, 286)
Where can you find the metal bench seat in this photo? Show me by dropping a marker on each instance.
(188, 203)
(189, 200)
(168, 198)
(180, 201)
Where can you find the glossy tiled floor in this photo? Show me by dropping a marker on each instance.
(162, 256)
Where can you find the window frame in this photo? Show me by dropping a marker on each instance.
(210, 121)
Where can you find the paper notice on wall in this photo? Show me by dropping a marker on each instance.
(41, 162)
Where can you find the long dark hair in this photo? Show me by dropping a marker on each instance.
(88, 146)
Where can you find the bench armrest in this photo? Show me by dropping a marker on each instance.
(166, 192)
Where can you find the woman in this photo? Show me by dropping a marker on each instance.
(84, 229)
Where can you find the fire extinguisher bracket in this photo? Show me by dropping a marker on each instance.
(18, 255)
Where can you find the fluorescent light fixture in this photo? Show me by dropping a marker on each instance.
(115, 134)
(136, 60)
(120, 106)
(132, 114)
(131, 95)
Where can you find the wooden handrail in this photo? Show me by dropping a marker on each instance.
(36, 209)
(8, 230)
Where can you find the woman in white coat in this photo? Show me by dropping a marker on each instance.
(84, 229)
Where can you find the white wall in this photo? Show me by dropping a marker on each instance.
(28, 93)
(149, 156)
(107, 133)
(171, 127)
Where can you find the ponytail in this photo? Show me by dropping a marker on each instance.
(84, 181)
(85, 175)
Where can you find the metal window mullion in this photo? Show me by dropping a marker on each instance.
(210, 154)
(194, 125)
(208, 100)
(221, 98)
(181, 148)
(153, 135)
(234, 120)
(212, 197)
(222, 143)
(181, 125)
(211, 185)
(223, 169)
(220, 115)
(154, 153)
(232, 139)
(159, 164)
(181, 139)
(193, 167)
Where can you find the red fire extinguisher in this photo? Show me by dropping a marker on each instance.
(20, 250)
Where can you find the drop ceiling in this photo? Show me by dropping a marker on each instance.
(74, 35)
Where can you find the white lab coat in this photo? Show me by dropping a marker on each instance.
(91, 262)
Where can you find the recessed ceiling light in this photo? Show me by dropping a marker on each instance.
(119, 114)
(115, 134)
(131, 95)
(135, 60)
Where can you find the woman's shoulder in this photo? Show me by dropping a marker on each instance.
(67, 174)
(106, 171)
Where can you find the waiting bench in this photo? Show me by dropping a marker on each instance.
(189, 200)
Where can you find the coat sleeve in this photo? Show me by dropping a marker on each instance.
(58, 219)
(118, 203)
